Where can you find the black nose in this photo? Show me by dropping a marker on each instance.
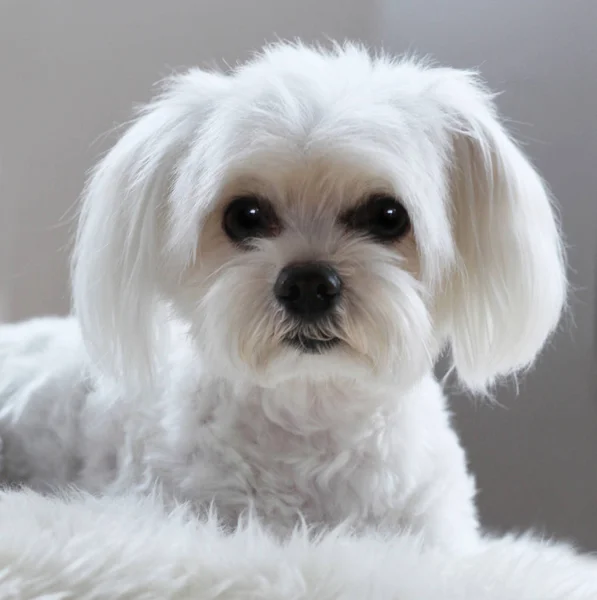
(308, 290)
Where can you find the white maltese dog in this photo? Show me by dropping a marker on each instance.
(267, 267)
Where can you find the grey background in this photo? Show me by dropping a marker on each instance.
(70, 70)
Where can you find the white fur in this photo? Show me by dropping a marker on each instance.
(91, 549)
(189, 385)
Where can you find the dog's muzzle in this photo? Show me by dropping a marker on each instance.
(309, 292)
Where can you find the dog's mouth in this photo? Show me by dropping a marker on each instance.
(311, 345)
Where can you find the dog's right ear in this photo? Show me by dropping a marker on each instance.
(124, 241)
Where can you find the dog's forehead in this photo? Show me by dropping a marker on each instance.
(342, 125)
(328, 165)
(317, 178)
(313, 112)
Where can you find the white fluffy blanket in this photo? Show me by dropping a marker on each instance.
(85, 548)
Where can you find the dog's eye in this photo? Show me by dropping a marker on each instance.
(382, 217)
(250, 217)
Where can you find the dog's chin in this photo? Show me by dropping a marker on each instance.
(308, 360)
(308, 345)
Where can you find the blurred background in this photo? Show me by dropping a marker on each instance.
(70, 71)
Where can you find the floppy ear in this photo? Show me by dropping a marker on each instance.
(509, 286)
(120, 250)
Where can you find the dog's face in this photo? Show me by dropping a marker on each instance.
(321, 215)
(308, 266)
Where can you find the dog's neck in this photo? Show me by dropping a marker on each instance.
(304, 407)
(299, 405)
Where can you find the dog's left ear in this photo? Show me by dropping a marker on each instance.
(508, 288)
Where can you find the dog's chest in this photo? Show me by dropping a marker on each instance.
(340, 474)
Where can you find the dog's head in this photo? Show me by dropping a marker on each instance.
(318, 215)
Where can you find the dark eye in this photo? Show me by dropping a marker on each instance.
(382, 217)
(250, 217)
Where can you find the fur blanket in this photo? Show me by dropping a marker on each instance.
(86, 548)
